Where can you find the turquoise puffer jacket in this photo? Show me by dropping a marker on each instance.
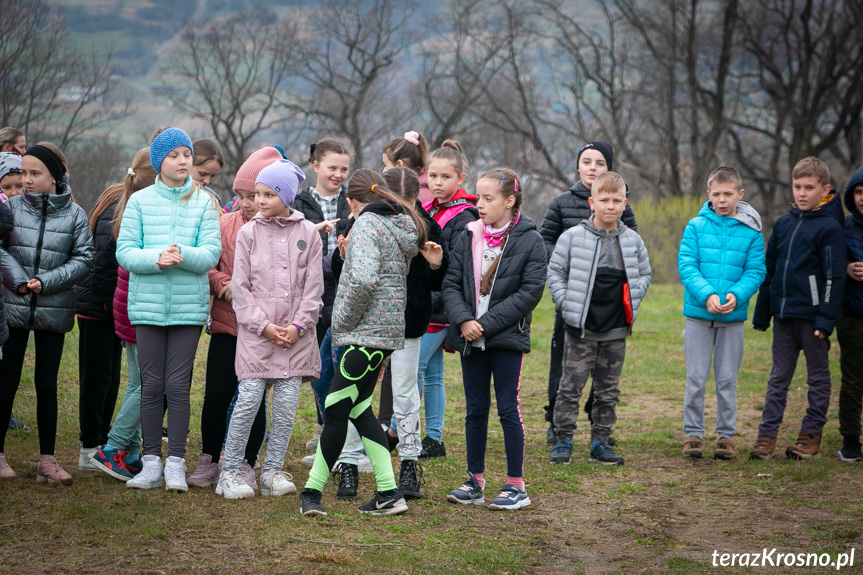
(154, 219)
(721, 255)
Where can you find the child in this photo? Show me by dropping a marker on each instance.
(277, 251)
(49, 250)
(221, 381)
(721, 265)
(566, 211)
(368, 319)
(120, 455)
(207, 163)
(410, 151)
(10, 176)
(598, 275)
(849, 330)
(13, 140)
(495, 279)
(806, 256)
(169, 239)
(453, 209)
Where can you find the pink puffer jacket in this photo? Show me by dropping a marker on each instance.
(277, 278)
(122, 326)
(223, 319)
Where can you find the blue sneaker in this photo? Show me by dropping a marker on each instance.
(511, 497)
(602, 453)
(561, 452)
(112, 461)
(17, 425)
(469, 492)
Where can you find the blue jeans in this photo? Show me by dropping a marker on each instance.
(321, 386)
(125, 433)
(430, 382)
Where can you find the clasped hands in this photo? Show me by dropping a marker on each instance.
(170, 257)
(281, 336)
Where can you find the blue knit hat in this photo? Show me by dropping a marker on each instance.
(283, 177)
(166, 141)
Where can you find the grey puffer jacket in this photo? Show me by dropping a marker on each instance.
(370, 302)
(50, 241)
(572, 270)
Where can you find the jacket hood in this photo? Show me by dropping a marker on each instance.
(588, 224)
(281, 220)
(856, 179)
(830, 208)
(746, 214)
(55, 201)
(398, 223)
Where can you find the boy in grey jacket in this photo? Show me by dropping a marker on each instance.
(596, 266)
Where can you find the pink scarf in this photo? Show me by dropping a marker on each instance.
(494, 237)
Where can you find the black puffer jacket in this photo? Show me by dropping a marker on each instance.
(50, 241)
(569, 209)
(451, 232)
(852, 302)
(306, 204)
(5, 230)
(518, 286)
(96, 290)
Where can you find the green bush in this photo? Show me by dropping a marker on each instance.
(660, 224)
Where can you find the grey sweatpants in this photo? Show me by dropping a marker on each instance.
(723, 344)
(166, 355)
(286, 394)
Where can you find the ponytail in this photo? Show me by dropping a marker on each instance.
(367, 186)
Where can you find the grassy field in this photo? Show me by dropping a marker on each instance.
(657, 514)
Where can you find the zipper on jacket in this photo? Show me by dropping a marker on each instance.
(175, 201)
(785, 269)
(38, 259)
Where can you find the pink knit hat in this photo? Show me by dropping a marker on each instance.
(248, 172)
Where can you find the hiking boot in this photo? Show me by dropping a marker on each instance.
(724, 449)
(313, 442)
(6, 472)
(551, 436)
(410, 479)
(385, 505)
(275, 483)
(692, 447)
(175, 474)
(50, 471)
(764, 448)
(206, 473)
(808, 445)
(348, 478)
(113, 462)
(310, 503)
(469, 493)
(561, 452)
(84, 459)
(432, 448)
(232, 485)
(849, 452)
(511, 497)
(249, 474)
(603, 453)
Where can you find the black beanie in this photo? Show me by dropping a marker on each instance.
(605, 149)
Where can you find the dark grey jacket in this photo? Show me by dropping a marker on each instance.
(5, 230)
(50, 241)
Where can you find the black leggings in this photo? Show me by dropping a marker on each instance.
(49, 351)
(100, 357)
(221, 385)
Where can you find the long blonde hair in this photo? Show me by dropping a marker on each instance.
(140, 176)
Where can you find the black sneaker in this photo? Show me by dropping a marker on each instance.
(346, 477)
(310, 503)
(382, 505)
(410, 479)
(850, 451)
(551, 436)
(432, 448)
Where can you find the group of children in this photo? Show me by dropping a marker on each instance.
(368, 278)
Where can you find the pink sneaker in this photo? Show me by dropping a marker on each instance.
(6, 472)
(249, 474)
(206, 473)
(50, 471)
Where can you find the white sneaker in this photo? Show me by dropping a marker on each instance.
(277, 483)
(364, 464)
(175, 474)
(150, 476)
(232, 484)
(309, 460)
(313, 442)
(84, 459)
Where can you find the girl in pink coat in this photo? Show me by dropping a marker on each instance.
(276, 290)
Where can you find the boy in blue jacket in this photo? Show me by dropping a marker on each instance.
(721, 265)
(803, 292)
(849, 330)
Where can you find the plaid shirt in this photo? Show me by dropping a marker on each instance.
(330, 208)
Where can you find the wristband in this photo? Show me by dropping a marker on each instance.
(300, 329)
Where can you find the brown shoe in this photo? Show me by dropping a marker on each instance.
(724, 449)
(692, 447)
(764, 448)
(808, 445)
(50, 471)
(6, 472)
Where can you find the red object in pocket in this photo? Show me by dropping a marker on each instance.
(627, 304)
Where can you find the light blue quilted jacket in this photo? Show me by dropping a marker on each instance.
(721, 255)
(155, 218)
